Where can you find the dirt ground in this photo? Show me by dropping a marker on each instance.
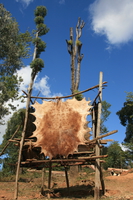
(81, 187)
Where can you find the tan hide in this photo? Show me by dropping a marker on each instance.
(60, 126)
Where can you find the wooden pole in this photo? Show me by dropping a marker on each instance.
(62, 97)
(97, 162)
(93, 123)
(42, 186)
(102, 180)
(49, 179)
(67, 180)
(33, 74)
(101, 136)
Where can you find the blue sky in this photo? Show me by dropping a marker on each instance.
(107, 46)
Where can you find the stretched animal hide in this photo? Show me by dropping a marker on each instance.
(60, 126)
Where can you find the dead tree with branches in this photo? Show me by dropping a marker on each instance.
(74, 49)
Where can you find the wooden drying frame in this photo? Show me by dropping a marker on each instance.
(96, 142)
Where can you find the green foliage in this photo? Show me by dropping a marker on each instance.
(115, 157)
(128, 153)
(40, 11)
(41, 45)
(12, 150)
(14, 46)
(39, 20)
(18, 117)
(9, 86)
(126, 117)
(42, 29)
(78, 43)
(104, 116)
(37, 65)
(79, 97)
(70, 42)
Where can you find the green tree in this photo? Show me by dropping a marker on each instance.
(37, 64)
(126, 117)
(116, 158)
(104, 116)
(14, 46)
(128, 153)
(11, 152)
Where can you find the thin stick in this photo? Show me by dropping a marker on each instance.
(27, 96)
(96, 98)
(9, 140)
(96, 86)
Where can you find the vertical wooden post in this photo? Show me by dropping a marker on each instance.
(42, 186)
(50, 170)
(97, 162)
(102, 181)
(67, 180)
(93, 122)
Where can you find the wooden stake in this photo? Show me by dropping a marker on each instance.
(97, 162)
(67, 180)
(42, 186)
(102, 180)
(50, 170)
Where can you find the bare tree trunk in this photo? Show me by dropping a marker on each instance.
(72, 62)
(78, 72)
(74, 50)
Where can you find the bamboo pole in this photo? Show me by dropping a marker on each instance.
(97, 162)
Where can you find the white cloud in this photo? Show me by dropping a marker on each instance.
(25, 74)
(114, 19)
(42, 86)
(25, 2)
(123, 147)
